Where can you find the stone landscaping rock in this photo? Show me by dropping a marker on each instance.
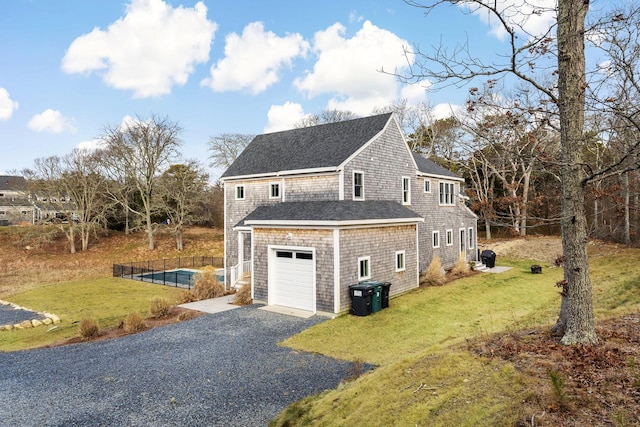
(26, 324)
(41, 318)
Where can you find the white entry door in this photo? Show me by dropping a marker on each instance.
(293, 279)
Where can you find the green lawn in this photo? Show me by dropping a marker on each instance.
(433, 317)
(423, 375)
(109, 300)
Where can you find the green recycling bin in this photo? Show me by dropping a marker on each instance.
(376, 296)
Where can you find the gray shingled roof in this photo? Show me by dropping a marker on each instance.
(429, 167)
(333, 210)
(320, 146)
(12, 182)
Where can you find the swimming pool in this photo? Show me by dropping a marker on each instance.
(178, 278)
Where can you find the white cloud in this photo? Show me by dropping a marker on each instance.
(415, 93)
(350, 68)
(51, 121)
(532, 17)
(7, 105)
(149, 50)
(283, 117)
(92, 145)
(253, 60)
(442, 111)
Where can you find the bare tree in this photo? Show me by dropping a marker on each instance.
(181, 188)
(138, 151)
(226, 147)
(326, 116)
(523, 59)
(74, 187)
(509, 137)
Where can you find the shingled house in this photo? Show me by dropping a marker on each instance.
(15, 204)
(310, 211)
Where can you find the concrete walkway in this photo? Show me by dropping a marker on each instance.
(213, 305)
(218, 305)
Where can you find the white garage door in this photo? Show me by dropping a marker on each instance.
(293, 279)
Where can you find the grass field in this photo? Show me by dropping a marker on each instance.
(38, 272)
(425, 374)
(436, 317)
(108, 300)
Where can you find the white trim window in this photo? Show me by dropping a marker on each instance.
(449, 237)
(447, 193)
(400, 257)
(472, 240)
(274, 190)
(364, 268)
(406, 190)
(435, 240)
(358, 185)
(240, 192)
(427, 185)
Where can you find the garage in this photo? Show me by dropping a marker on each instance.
(293, 277)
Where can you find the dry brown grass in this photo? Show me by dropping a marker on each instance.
(160, 307)
(28, 262)
(461, 267)
(88, 328)
(435, 275)
(207, 285)
(243, 296)
(133, 323)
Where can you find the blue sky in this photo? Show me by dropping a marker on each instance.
(68, 68)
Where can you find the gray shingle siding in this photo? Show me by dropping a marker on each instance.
(331, 153)
(383, 162)
(381, 244)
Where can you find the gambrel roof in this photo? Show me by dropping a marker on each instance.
(428, 167)
(336, 212)
(316, 147)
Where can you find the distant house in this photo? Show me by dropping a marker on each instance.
(15, 203)
(310, 211)
(19, 206)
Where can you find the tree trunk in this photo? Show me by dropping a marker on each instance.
(84, 236)
(524, 210)
(72, 239)
(627, 216)
(150, 232)
(580, 327)
(487, 228)
(560, 327)
(179, 240)
(127, 230)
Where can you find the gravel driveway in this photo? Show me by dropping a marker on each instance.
(222, 369)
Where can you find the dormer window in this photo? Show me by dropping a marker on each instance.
(239, 192)
(358, 185)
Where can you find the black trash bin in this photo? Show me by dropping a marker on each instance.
(385, 294)
(536, 269)
(488, 258)
(376, 295)
(361, 299)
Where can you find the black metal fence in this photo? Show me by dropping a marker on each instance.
(160, 270)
